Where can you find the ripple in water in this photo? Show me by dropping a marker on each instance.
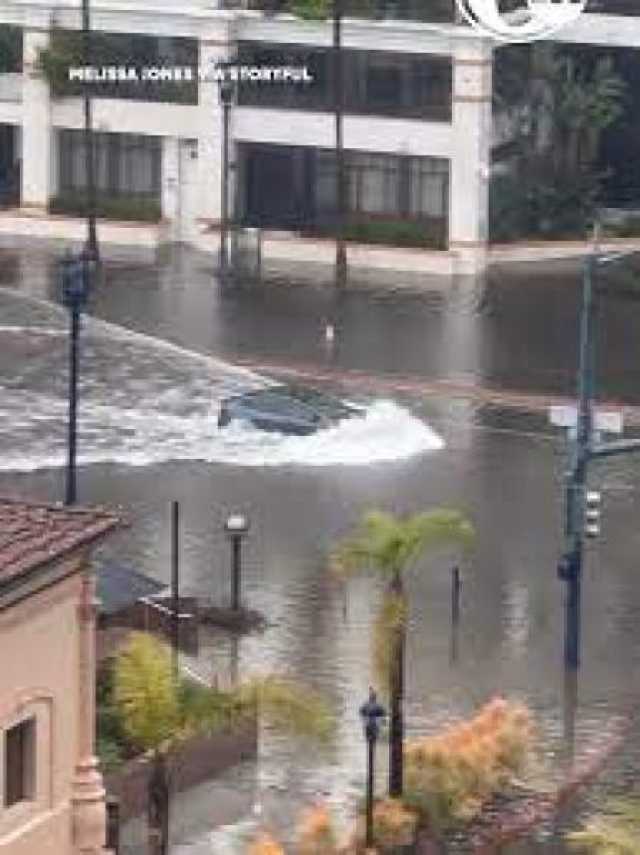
(145, 401)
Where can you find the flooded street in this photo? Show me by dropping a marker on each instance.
(157, 356)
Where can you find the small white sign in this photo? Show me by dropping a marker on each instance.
(605, 421)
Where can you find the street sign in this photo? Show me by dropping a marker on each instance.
(605, 421)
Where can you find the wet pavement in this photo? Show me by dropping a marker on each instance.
(148, 413)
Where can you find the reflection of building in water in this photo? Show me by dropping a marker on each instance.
(517, 618)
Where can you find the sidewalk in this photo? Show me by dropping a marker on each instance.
(288, 256)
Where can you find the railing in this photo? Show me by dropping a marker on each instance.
(11, 87)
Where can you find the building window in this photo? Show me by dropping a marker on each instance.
(376, 83)
(126, 164)
(20, 767)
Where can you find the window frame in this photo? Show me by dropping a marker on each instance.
(26, 791)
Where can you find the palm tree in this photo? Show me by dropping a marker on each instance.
(616, 831)
(390, 545)
(159, 710)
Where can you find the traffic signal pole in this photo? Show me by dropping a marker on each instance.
(585, 449)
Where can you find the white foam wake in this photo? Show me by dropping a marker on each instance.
(145, 401)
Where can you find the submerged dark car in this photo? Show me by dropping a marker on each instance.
(293, 410)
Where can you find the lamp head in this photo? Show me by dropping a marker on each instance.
(236, 525)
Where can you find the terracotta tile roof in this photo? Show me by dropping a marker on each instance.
(34, 534)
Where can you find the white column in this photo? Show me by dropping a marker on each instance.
(470, 158)
(210, 126)
(88, 794)
(171, 186)
(36, 126)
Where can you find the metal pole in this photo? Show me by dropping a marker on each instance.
(578, 475)
(341, 176)
(92, 238)
(371, 743)
(71, 492)
(455, 595)
(235, 572)
(175, 582)
(224, 213)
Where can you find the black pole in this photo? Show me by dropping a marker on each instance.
(71, 492)
(92, 238)
(175, 581)
(577, 480)
(341, 175)
(371, 747)
(236, 540)
(224, 212)
(455, 595)
(569, 714)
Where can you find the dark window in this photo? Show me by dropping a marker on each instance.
(126, 164)
(19, 752)
(382, 188)
(375, 82)
(123, 50)
(10, 49)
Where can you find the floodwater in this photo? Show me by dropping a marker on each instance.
(158, 353)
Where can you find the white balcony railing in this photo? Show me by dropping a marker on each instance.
(11, 87)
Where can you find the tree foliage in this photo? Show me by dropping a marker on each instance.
(570, 98)
(390, 544)
(159, 709)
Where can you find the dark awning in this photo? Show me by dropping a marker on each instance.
(119, 587)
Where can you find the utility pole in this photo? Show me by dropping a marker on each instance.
(227, 92)
(92, 238)
(586, 448)
(341, 174)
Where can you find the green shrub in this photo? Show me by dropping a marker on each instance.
(407, 233)
(310, 10)
(135, 208)
(542, 205)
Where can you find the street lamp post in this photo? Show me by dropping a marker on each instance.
(371, 713)
(92, 238)
(236, 527)
(76, 275)
(341, 174)
(585, 449)
(226, 99)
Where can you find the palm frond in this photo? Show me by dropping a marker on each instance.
(389, 544)
(288, 706)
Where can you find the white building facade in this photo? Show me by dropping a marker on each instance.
(425, 157)
(185, 139)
